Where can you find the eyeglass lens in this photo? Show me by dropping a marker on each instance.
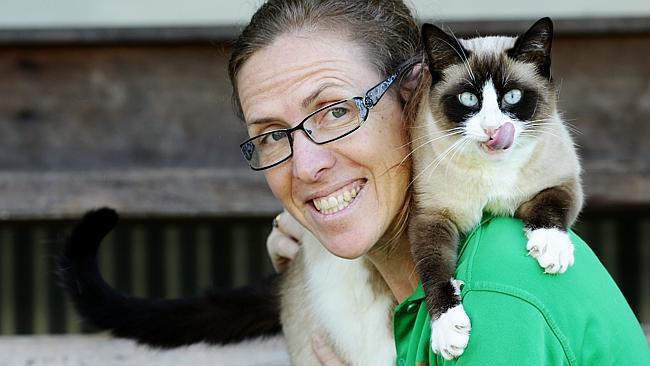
(327, 124)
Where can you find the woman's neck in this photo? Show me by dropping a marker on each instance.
(397, 268)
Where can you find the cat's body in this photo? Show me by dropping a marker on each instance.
(344, 301)
(488, 138)
(317, 287)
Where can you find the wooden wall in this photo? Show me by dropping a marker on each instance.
(148, 127)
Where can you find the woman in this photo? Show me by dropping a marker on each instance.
(349, 188)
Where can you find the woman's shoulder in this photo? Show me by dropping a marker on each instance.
(574, 308)
(495, 249)
(495, 252)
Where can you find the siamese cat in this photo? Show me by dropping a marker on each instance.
(487, 137)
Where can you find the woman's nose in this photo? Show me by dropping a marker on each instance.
(310, 160)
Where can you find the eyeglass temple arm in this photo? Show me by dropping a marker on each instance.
(376, 92)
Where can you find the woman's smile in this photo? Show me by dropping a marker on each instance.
(339, 199)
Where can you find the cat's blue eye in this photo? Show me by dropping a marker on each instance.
(512, 97)
(468, 99)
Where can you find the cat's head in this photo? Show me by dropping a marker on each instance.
(494, 93)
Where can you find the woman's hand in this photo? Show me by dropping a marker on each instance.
(284, 241)
(324, 353)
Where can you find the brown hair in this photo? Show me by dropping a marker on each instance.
(386, 29)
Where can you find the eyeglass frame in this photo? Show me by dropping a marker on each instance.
(364, 104)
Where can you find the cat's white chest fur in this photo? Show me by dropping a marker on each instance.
(357, 318)
(336, 299)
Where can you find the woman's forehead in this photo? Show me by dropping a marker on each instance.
(296, 65)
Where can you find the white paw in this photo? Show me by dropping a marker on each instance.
(552, 248)
(450, 333)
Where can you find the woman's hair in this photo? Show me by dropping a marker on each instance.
(385, 29)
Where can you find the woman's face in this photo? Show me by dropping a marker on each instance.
(278, 87)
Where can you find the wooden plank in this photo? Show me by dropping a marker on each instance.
(75, 108)
(603, 92)
(201, 34)
(617, 183)
(107, 35)
(137, 193)
(228, 192)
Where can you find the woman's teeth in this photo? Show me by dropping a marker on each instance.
(335, 203)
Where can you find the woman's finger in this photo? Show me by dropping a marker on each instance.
(325, 354)
(290, 226)
(282, 249)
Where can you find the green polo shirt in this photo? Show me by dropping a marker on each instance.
(521, 316)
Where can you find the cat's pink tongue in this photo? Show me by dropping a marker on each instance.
(503, 137)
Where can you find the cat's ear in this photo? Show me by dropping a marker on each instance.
(534, 46)
(442, 50)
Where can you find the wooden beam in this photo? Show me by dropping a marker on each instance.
(204, 34)
(136, 193)
(617, 183)
(192, 192)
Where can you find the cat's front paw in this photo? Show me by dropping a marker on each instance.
(552, 248)
(450, 333)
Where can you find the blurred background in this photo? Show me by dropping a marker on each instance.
(127, 104)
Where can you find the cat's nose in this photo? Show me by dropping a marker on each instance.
(489, 131)
(491, 125)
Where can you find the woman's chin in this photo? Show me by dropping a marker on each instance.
(350, 248)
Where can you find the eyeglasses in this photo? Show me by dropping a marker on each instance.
(325, 125)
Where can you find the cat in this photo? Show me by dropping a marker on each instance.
(159, 322)
(345, 301)
(488, 138)
(304, 301)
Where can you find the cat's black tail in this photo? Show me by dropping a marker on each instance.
(222, 316)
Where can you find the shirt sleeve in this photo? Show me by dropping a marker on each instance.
(507, 330)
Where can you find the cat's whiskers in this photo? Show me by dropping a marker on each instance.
(506, 77)
(437, 158)
(550, 118)
(434, 137)
(572, 127)
(458, 132)
(536, 104)
(546, 119)
(537, 132)
(540, 122)
(526, 125)
(440, 158)
(462, 56)
(455, 129)
(465, 58)
(460, 148)
(467, 82)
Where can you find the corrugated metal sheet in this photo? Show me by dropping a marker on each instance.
(173, 258)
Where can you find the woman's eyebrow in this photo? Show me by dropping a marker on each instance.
(310, 99)
(305, 104)
(260, 121)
